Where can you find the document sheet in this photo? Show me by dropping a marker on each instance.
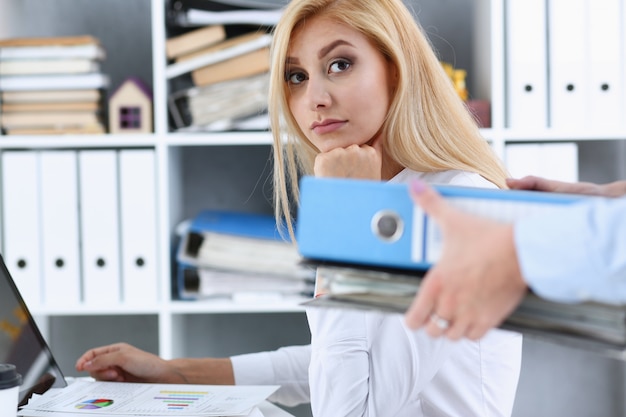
(138, 399)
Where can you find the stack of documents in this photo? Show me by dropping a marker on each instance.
(136, 399)
(389, 290)
(371, 245)
(230, 254)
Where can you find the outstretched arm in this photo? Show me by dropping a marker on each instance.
(476, 283)
(612, 189)
(123, 362)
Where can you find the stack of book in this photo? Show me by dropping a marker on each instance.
(225, 64)
(51, 85)
(228, 254)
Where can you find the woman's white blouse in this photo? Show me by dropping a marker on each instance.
(369, 364)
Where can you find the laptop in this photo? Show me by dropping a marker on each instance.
(22, 344)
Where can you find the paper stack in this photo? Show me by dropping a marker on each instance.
(232, 254)
(51, 85)
(118, 399)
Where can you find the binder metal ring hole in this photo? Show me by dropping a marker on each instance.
(59, 262)
(387, 225)
(100, 262)
(570, 87)
(140, 262)
(21, 263)
(604, 87)
(528, 88)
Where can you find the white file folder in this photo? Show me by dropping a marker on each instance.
(59, 225)
(526, 64)
(557, 161)
(606, 51)
(138, 226)
(99, 226)
(568, 63)
(21, 226)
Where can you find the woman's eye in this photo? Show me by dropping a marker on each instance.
(295, 77)
(340, 65)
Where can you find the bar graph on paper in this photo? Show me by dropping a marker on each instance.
(136, 399)
(179, 400)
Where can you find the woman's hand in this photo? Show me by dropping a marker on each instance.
(123, 362)
(359, 162)
(477, 281)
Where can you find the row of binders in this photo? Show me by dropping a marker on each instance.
(239, 256)
(80, 226)
(565, 63)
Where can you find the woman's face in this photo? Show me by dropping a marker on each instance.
(339, 84)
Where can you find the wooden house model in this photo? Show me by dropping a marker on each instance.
(130, 108)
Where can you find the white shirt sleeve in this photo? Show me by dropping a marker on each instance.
(576, 253)
(287, 367)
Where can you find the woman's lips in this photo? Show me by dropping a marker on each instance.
(327, 126)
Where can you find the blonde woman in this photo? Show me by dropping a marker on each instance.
(356, 91)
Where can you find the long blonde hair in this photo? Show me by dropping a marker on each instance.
(428, 128)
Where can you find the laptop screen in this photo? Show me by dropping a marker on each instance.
(22, 344)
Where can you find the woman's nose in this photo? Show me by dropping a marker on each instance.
(318, 93)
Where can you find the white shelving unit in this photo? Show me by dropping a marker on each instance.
(160, 327)
(229, 170)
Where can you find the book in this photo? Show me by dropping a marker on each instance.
(244, 65)
(194, 40)
(49, 106)
(220, 102)
(247, 17)
(51, 47)
(51, 96)
(92, 80)
(191, 13)
(14, 120)
(251, 123)
(245, 38)
(90, 129)
(223, 51)
(48, 66)
(343, 285)
(376, 223)
(49, 41)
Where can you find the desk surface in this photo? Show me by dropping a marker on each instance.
(270, 410)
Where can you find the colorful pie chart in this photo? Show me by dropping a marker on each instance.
(94, 404)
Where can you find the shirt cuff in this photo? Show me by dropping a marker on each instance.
(253, 369)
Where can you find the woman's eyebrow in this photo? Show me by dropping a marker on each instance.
(326, 50)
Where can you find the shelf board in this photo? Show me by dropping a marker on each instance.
(219, 138)
(259, 305)
(284, 305)
(82, 310)
(516, 135)
(78, 141)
